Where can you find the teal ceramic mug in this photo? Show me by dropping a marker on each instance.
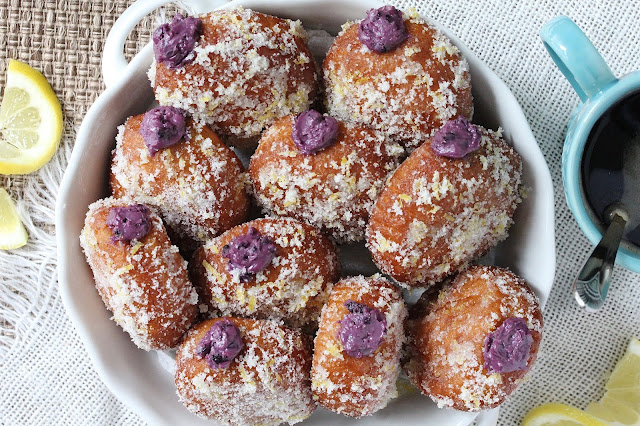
(598, 90)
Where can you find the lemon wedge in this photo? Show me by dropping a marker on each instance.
(626, 375)
(629, 397)
(12, 232)
(30, 121)
(620, 405)
(556, 414)
(613, 412)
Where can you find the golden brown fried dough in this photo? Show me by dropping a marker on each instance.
(293, 287)
(196, 185)
(333, 189)
(437, 214)
(358, 386)
(407, 93)
(446, 332)
(249, 69)
(143, 282)
(267, 383)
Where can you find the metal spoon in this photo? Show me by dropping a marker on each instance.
(592, 284)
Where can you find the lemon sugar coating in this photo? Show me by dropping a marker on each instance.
(333, 189)
(144, 282)
(407, 93)
(292, 288)
(197, 185)
(352, 386)
(249, 69)
(447, 329)
(267, 383)
(435, 214)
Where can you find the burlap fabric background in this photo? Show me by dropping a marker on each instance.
(45, 375)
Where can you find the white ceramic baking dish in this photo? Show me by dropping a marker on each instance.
(138, 378)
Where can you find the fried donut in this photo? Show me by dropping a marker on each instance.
(276, 269)
(408, 92)
(471, 344)
(247, 70)
(357, 349)
(245, 372)
(436, 214)
(333, 188)
(143, 281)
(197, 185)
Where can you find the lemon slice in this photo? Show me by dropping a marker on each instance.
(614, 412)
(12, 232)
(626, 375)
(556, 414)
(30, 121)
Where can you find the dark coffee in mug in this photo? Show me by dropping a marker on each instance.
(611, 164)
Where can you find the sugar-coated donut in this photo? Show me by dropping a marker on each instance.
(408, 92)
(299, 266)
(449, 334)
(197, 184)
(334, 188)
(266, 382)
(143, 282)
(247, 70)
(358, 383)
(436, 214)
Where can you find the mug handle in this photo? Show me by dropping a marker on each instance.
(576, 57)
(113, 60)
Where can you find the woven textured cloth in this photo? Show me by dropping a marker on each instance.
(45, 374)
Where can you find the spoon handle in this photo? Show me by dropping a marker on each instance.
(591, 287)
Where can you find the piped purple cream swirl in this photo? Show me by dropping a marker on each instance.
(507, 349)
(221, 344)
(383, 29)
(162, 127)
(313, 132)
(362, 329)
(129, 223)
(249, 253)
(456, 138)
(174, 41)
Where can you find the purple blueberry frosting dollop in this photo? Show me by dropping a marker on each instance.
(507, 349)
(174, 41)
(383, 29)
(362, 329)
(313, 131)
(456, 138)
(249, 253)
(221, 344)
(129, 223)
(162, 127)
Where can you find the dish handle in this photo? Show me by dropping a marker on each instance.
(113, 60)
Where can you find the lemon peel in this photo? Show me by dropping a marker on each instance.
(556, 414)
